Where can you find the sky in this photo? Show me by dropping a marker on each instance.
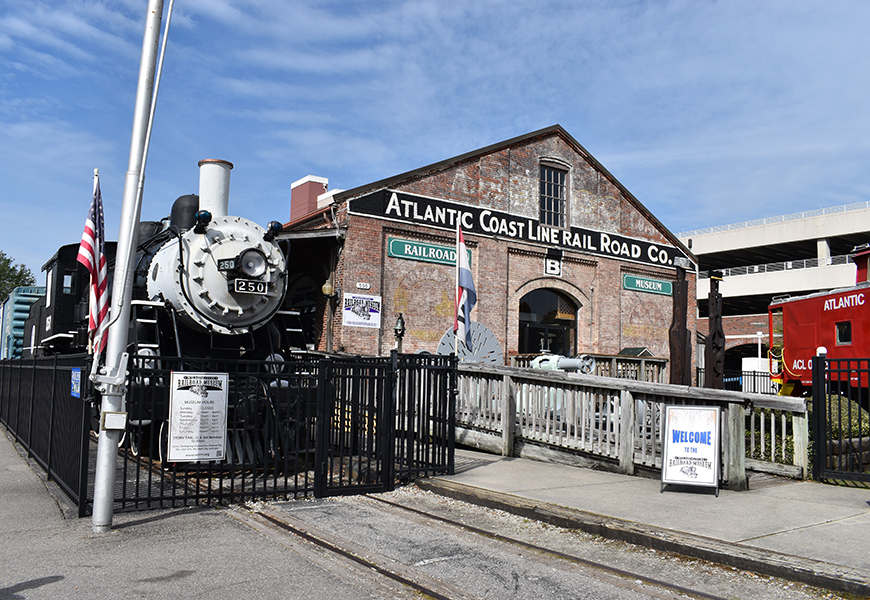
(709, 112)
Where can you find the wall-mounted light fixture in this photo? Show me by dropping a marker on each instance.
(399, 330)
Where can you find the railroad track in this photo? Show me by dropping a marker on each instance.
(385, 575)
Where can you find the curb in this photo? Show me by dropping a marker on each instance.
(793, 568)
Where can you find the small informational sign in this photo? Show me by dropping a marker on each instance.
(690, 455)
(113, 421)
(648, 285)
(198, 416)
(360, 310)
(76, 383)
(553, 263)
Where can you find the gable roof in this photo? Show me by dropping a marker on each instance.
(557, 130)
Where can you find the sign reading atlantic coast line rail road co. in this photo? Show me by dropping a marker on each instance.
(431, 212)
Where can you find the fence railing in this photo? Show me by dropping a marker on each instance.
(841, 419)
(788, 265)
(756, 382)
(313, 427)
(615, 423)
(39, 408)
(649, 369)
(777, 219)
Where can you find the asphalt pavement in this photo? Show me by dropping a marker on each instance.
(802, 531)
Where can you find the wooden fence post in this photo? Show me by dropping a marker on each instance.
(735, 455)
(508, 415)
(626, 432)
(800, 431)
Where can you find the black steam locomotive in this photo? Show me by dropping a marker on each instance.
(208, 294)
(205, 285)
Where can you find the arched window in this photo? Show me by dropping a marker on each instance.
(548, 323)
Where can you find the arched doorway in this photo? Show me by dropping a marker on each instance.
(548, 323)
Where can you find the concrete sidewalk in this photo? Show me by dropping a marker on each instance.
(802, 531)
(194, 553)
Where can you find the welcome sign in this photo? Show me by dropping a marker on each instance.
(431, 212)
(690, 454)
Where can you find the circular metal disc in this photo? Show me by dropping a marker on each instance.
(485, 347)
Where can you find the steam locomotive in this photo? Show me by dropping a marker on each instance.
(206, 284)
(208, 292)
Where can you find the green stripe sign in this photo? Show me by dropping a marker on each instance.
(645, 284)
(411, 250)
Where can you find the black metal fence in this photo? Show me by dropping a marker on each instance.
(756, 382)
(39, 408)
(841, 419)
(310, 427)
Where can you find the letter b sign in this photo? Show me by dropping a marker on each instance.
(553, 265)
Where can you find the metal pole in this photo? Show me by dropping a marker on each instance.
(112, 376)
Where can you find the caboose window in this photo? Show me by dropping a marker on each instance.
(844, 333)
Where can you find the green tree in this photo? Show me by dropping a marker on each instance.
(12, 276)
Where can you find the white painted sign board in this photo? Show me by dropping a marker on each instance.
(360, 310)
(690, 455)
(198, 416)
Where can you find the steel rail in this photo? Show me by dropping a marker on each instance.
(550, 551)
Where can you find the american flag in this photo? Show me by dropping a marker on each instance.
(92, 254)
(466, 295)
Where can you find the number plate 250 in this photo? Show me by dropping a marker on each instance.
(246, 286)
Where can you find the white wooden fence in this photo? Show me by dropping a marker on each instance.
(617, 423)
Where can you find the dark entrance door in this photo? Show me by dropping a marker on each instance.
(548, 323)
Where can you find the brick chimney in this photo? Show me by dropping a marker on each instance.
(304, 193)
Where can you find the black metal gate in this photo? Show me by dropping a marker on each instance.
(296, 428)
(841, 421)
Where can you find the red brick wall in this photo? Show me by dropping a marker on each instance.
(745, 326)
(504, 270)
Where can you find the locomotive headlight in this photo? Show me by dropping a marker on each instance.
(252, 263)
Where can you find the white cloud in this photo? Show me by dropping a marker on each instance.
(707, 112)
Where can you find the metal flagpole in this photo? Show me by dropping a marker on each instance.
(111, 378)
(457, 297)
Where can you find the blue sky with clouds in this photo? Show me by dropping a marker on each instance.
(709, 112)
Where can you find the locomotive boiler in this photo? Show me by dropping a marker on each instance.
(206, 284)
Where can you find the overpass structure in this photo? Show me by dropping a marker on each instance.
(794, 254)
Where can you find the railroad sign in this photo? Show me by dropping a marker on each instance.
(645, 284)
(422, 251)
(690, 454)
(358, 310)
(198, 416)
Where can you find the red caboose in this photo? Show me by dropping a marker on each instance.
(839, 320)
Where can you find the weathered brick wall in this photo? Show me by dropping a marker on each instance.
(504, 270)
(739, 330)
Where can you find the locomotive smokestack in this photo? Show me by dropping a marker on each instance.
(214, 186)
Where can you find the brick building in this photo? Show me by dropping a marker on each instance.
(564, 258)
